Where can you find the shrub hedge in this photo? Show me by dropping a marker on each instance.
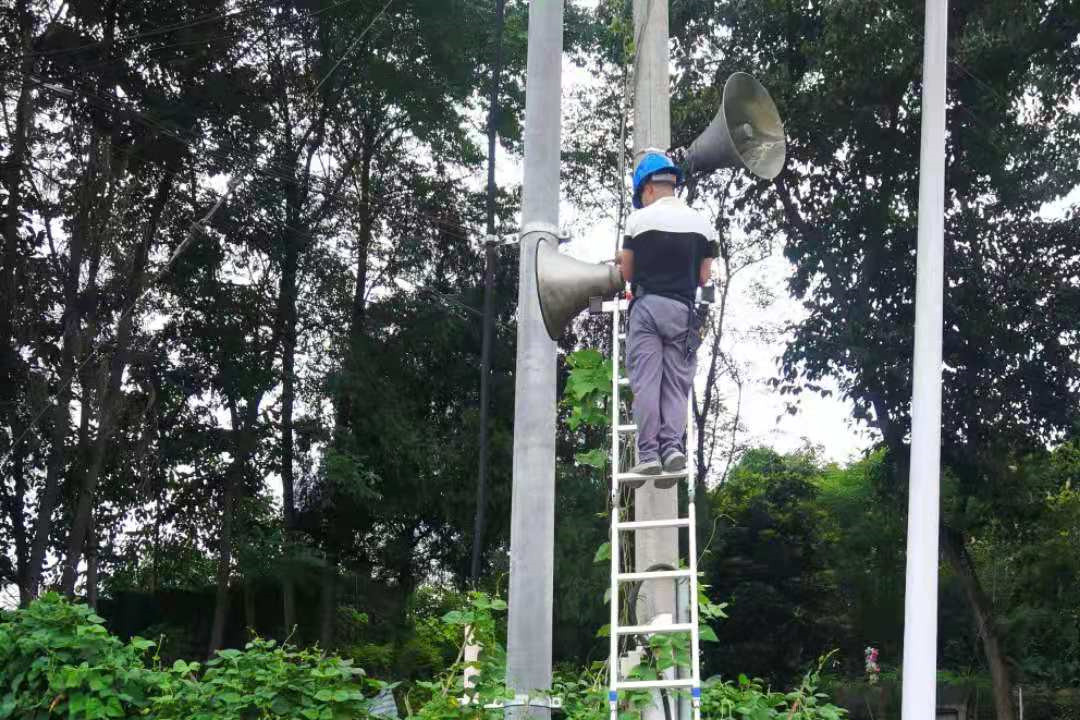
(58, 660)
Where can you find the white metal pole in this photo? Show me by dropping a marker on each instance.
(921, 590)
(532, 519)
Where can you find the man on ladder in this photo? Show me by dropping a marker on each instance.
(667, 254)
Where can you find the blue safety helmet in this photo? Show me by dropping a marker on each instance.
(651, 164)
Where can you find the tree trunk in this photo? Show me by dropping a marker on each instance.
(956, 554)
(244, 449)
(287, 293)
(12, 505)
(92, 567)
(704, 451)
(358, 317)
(328, 603)
(61, 415)
(249, 606)
(224, 567)
(110, 400)
(288, 395)
(12, 174)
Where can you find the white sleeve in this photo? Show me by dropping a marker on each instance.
(708, 229)
(630, 226)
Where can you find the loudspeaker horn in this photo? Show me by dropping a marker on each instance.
(565, 285)
(747, 132)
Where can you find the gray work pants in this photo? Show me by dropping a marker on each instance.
(661, 373)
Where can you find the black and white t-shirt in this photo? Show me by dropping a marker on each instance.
(669, 240)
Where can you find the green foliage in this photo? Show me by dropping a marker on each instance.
(771, 558)
(750, 699)
(1032, 568)
(57, 659)
(447, 698)
(264, 680)
(588, 388)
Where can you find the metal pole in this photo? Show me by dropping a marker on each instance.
(489, 305)
(652, 129)
(921, 590)
(532, 520)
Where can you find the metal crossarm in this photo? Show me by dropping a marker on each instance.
(621, 429)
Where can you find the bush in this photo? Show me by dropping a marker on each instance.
(57, 659)
(265, 681)
(751, 700)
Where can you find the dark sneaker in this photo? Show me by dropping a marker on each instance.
(674, 462)
(648, 467)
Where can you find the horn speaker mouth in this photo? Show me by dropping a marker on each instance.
(757, 133)
(747, 132)
(564, 285)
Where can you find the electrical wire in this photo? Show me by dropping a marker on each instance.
(621, 192)
(352, 47)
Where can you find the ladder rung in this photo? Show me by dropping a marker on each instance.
(653, 575)
(646, 524)
(627, 428)
(609, 305)
(647, 629)
(647, 684)
(624, 477)
(624, 381)
(622, 336)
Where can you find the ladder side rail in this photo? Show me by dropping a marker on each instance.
(613, 629)
(691, 491)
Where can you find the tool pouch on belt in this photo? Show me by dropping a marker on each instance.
(695, 332)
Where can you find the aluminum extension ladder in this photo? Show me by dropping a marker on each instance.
(617, 308)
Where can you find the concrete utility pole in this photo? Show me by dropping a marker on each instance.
(652, 88)
(532, 520)
(652, 129)
(921, 589)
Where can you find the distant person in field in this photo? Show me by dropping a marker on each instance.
(667, 254)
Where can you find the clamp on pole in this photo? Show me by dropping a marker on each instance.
(561, 235)
(550, 702)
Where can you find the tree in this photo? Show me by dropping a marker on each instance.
(846, 79)
(770, 560)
